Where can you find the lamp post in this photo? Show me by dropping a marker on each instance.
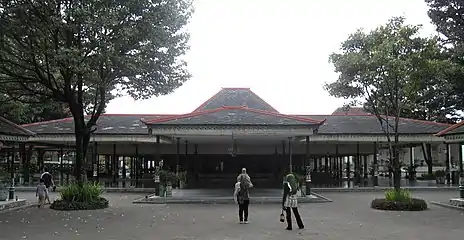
(461, 173)
(290, 164)
(308, 180)
(461, 184)
(11, 190)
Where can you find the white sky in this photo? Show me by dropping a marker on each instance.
(279, 49)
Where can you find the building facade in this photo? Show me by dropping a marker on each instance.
(233, 129)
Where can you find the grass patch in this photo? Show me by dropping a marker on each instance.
(80, 197)
(399, 200)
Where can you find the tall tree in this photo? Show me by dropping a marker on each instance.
(30, 112)
(80, 53)
(448, 17)
(384, 69)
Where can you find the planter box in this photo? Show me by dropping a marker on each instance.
(303, 191)
(162, 191)
(3, 194)
(440, 180)
(169, 191)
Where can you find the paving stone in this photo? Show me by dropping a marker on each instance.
(347, 217)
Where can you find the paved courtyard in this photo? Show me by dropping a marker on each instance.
(348, 217)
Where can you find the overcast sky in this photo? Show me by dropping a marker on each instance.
(279, 49)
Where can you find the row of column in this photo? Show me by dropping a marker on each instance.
(334, 165)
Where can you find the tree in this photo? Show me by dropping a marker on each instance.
(384, 70)
(81, 53)
(30, 112)
(448, 17)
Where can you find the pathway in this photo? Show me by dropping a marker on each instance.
(348, 217)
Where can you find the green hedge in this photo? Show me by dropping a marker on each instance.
(64, 205)
(80, 197)
(413, 204)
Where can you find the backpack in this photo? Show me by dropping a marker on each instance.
(243, 192)
(47, 177)
(293, 190)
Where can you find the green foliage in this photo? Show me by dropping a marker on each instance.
(182, 176)
(80, 197)
(30, 112)
(390, 70)
(393, 71)
(449, 19)
(83, 53)
(413, 205)
(87, 192)
(398, 195)
(4, 177)
(98, 203)
(427, 176)
(440, 173)
(167, 177)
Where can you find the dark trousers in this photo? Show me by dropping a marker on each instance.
(297, 218)
(243, 210)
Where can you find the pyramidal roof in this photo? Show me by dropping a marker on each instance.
(233, 97)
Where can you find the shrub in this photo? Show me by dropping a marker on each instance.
(413, 204)
(167, 177)
(98, 203)
(440, 173)
(80, 197)
(400, 195)
(85, 193)
(427, 176)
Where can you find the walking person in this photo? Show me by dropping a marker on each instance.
(242, 198)
(48, 181)
(42, 193)
(290, 201)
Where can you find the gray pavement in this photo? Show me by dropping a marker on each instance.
(348, 217)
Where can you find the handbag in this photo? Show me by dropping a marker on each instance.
(282, 217)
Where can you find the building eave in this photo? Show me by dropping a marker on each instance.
(106, 138)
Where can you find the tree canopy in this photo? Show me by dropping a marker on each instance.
(448, 17)
(23, 113)
(391, 70)
(82, 53)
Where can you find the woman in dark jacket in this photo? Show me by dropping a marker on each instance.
(242, 197)
(290, 201)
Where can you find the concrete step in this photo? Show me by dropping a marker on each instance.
(224, 200)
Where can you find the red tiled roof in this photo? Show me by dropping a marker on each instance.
(262, 112)
(451, 128)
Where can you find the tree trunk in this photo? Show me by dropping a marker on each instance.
(27, 163)
(80, 156)
(396, 168)
(429, 157)
(82, 142)
(427, 153)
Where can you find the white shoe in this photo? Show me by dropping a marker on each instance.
(246, 222)
(241, 222)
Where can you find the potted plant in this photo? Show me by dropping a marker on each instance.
(171, 177)
(166, 180)
(3, 186)
(182, 176)
(412, 172)
(162, 183)
(440, 176)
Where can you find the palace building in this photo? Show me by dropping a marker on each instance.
(233, 129)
